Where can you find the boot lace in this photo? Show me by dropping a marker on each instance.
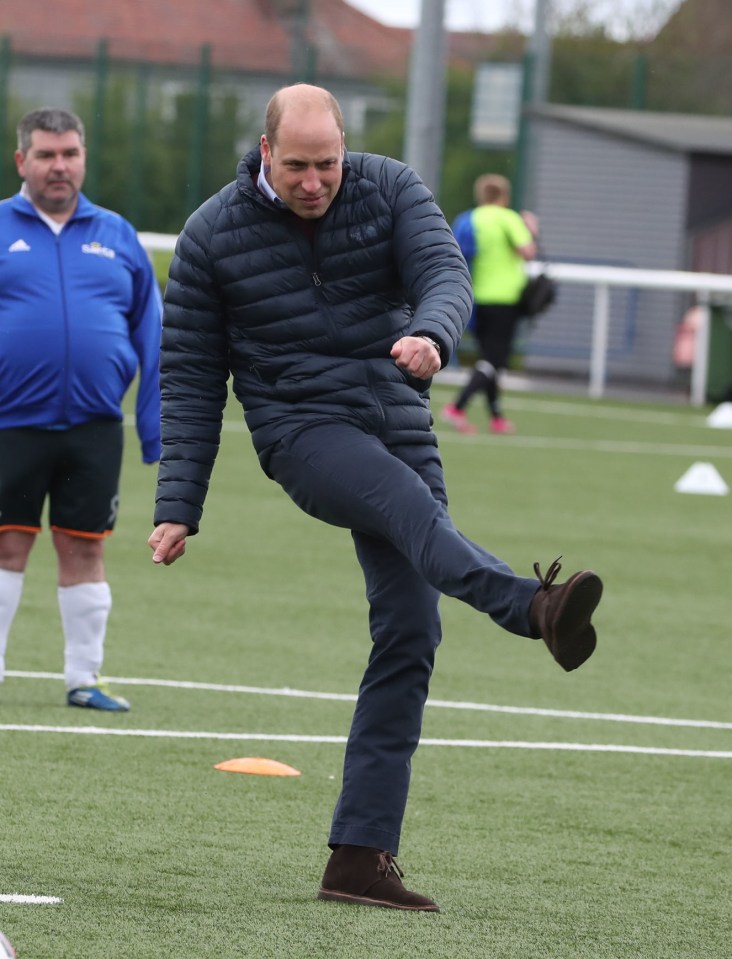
(551, 573)
(387, 863)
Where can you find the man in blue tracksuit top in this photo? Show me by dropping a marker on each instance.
(80, 314)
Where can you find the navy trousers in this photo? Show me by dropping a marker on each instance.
(394, 502)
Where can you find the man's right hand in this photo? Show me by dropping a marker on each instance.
(168, 542)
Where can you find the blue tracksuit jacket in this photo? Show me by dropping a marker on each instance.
(80, 313)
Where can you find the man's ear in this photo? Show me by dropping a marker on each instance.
(20, 162)
(265, 149)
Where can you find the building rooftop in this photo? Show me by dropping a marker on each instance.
(254, 36)
(682, 132)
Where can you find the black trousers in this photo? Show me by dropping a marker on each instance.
(495, 329)
(394, 502)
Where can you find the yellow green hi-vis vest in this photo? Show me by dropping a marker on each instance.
(497, 269)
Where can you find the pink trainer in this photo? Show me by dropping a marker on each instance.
(455, 417)
(501, 425)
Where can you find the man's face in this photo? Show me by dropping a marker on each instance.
(304, 167)
(53, 169)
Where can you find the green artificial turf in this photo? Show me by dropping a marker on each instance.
(531, 853)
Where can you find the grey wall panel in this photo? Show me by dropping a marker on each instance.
(606, 199)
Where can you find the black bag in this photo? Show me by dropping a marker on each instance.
(538, 295)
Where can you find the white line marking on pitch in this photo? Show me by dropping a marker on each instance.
(31, 900)
(614, 413)
(599, 446)
(557, 442)
(339, 740)
(435, 703)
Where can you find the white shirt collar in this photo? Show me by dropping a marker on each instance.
(265, 188)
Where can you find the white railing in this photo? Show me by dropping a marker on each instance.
(602, 278)
(158, 241)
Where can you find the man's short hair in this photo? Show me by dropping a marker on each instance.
(50, 120)
(275, 107)
(492, 188)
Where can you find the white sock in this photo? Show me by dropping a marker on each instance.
(84, 613)
(11, 587)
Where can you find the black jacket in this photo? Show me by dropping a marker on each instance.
(303, 323)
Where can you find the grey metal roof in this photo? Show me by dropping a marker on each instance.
(685, 133)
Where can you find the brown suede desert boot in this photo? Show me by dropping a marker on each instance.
(369, 877)
(561, 615)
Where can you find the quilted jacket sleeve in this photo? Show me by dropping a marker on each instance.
(193, 374)
(434, 272)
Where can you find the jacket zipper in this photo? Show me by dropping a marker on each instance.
(66, 373)
(379, 405)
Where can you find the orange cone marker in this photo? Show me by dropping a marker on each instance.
(257, 766)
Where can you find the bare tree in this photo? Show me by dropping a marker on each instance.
(621, 19)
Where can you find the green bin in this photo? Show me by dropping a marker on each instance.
(719, 358)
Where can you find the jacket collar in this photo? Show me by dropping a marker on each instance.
(84, 207)
(247, 172)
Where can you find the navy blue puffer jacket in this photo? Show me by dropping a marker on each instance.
(304, 323)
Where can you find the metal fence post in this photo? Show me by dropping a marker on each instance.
(600, 327)
(139, 142)
(701, 354)
(94, 166)
(194, 190)
(639, 83)
(518, 191)
(4, 99)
